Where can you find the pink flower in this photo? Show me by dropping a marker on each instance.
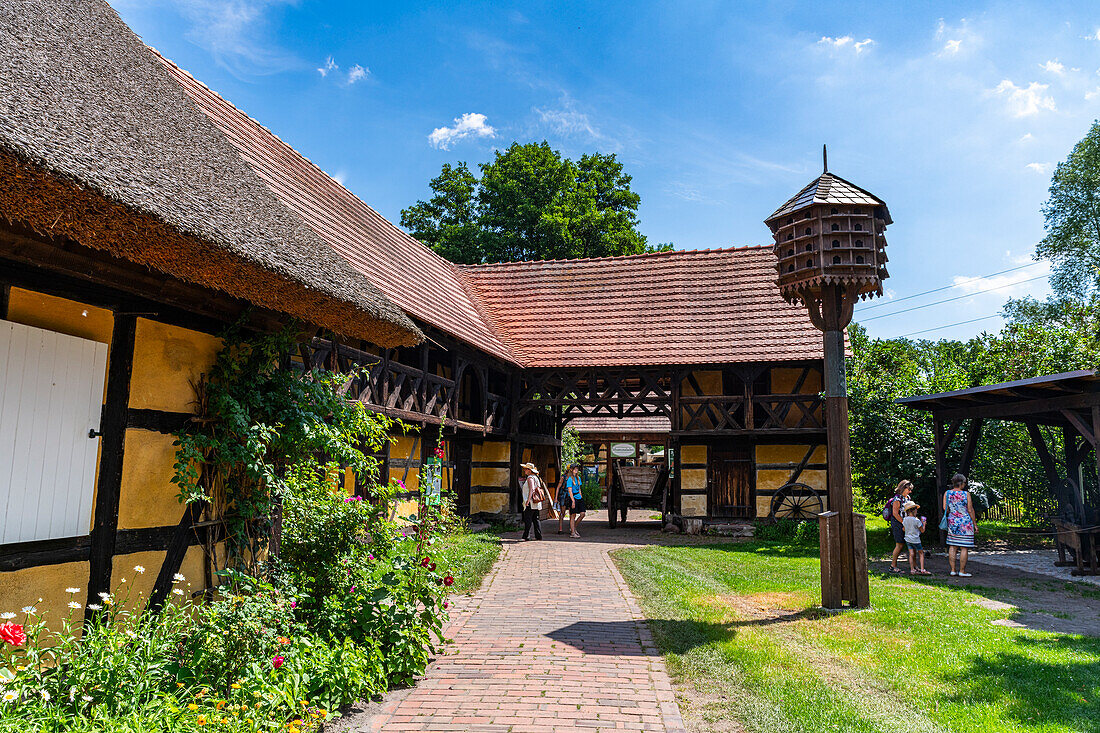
(13, 634)
(277, 661)
(446, 605)
(400, 483)
(370, 556)
(294, 604)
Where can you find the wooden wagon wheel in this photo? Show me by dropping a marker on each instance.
(796, 501)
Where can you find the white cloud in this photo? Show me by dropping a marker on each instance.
(330, 65)
(340, 176)
(1025, 101)
(1054, 66)
(951, 47)
(357, 73)
(1025, 137)
(567, 121)
(845, 41)
(1038, 167)
(1011, 284)
(471, 124)
(1092, 94)
(233, 31)
(1094, 37)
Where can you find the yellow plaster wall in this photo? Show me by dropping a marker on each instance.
(491, 450)
(129, 583)
(148, 497)
(168, 360)
(44, 588)
(788, 454)
(693, 505)
(693, 454)
(772, 479)
(406, 508)
(60, 315)
(784, 379)
(402, 449)
(493, 503)
(693, 479)
(710, 382)
(480, 476)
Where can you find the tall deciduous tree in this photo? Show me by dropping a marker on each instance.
(530, 204)
(1072, 216)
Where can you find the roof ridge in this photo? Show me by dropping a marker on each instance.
(641, 255)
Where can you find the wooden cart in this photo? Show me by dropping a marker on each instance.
(639, 487)
(1082, 542)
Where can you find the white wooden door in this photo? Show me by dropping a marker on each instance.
(51, 395)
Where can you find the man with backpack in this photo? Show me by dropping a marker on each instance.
(534, 492)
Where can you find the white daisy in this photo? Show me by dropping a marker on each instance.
(105, 597)
(9, 696)
(139, 569)
(74, 604)
(94, 607)
(86, 698)
(7, 615)
(29, 609)
(177, 591)
(72, 590)
(178, 577)
(45, 695)
(122, 580)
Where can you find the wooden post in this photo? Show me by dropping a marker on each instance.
(938, 439)
(859, 550)
(109, 482)
(828, 524)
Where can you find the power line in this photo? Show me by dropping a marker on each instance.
(949, 325)
(949, 300)
(948, 287)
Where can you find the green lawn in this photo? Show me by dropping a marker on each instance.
(469, 556)
(740, 626)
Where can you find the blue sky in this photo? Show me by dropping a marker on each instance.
(953, 113)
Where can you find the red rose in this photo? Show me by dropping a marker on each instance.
(425, 562)
(277, 662)
(432, 567)
(13, 634)
(448, 580)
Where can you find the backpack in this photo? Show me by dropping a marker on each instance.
(887, 512)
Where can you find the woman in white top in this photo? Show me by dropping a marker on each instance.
(534, 493)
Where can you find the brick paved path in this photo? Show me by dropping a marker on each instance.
(553, 641)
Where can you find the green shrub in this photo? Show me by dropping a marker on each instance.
(790, 531)
(593, 494)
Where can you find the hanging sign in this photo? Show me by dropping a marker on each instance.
(624, 450)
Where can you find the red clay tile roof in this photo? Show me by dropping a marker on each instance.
(624, 425)
(418, 280)
(683, 307)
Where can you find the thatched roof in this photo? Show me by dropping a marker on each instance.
(99, 145)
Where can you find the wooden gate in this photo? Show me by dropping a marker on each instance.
(731, 485)
(463, 461)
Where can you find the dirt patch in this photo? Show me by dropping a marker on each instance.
(1033, 600)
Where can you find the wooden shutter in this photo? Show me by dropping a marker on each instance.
(51, 395)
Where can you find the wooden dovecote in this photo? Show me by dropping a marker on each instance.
(830, 233)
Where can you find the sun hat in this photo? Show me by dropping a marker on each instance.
(909, 505)
(530, 467)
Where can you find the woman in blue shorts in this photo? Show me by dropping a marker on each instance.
(575, 498)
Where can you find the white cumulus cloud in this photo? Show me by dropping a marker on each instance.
(846, 41)
(357, 73)
(471, 124)
(1038, 167)
(952, 46)
(329, 65)
(1054, 66)
(1025, 101)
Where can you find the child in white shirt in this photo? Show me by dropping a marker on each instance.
(913, 526)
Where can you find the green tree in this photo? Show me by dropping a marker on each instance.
(530, 203)
(1072, 214)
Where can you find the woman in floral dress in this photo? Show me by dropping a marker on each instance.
(961, 520)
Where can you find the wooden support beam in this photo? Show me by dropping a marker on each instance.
(109, 482)
(941, 467)
(1085, 400)
(177, 549)
(970, 446)
(1040, 444)
(1083, 428)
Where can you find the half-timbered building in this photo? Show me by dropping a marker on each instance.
(142, 212)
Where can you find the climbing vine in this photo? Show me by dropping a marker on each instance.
(262, 426)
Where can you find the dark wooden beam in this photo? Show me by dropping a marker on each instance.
(113, 430)
(1083, 428)
(158, 421)
(1040, 444)
(941, 467)
(1025, 408)
(176, 550)
(970, 446)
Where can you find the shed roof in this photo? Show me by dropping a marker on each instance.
(1053, 399)
(682, 307)
(629, 425)
(99, 144)
(829, 188)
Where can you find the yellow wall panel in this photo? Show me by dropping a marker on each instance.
(21, 588)
(784, 379)
(816, 479)
(489, 476)
(771, 479)
(693, 479)
(693, 454)
(60, 315)
(192, 569)
(788, 454)
(167, 361)
(693, 506)
(492, 450)
(148, 496)
(763, 506)
(494, 503)
(406, 508)
(710, 382)
(129, 583)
